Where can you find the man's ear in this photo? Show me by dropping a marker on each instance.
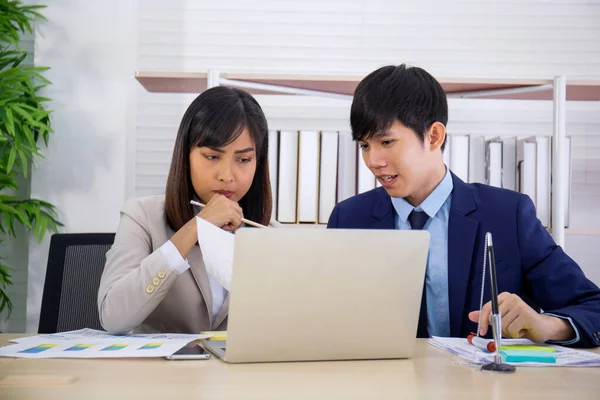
(436, 136)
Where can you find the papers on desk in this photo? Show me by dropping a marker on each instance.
(217, 246)
(565, 357)
(94, 334)
(90, 343)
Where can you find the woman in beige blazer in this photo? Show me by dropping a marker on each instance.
(154, 279)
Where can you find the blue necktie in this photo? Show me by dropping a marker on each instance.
(417, 220)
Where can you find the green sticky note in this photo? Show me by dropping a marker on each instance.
(526, 347)
(517, 356)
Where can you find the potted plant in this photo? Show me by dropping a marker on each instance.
(24, 123)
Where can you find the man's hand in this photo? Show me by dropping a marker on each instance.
(521, 321)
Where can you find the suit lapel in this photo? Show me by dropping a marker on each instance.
(462, 233)
(383, 215)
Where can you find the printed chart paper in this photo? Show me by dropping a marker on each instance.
(89, 343)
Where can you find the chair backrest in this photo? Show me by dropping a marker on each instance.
(75, 265)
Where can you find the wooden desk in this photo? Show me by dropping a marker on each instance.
(431, 374)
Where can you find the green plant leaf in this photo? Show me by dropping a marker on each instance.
(7, 100)
(19, 59)
(7, 181)
(30, 10)
(36, 72)
(10, 122)
(28, 136)
(11, 159)
(9, 57)
(23, 120)
(24, 162)
(19, 110)
(5, 281)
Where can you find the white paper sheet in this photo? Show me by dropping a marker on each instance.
(89, 343)
(87, 334)
(565, 357)
(217, 247)
(109, 348)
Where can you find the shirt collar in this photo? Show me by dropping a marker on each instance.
(431, 205)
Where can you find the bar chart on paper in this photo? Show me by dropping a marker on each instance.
(97, 344)
(114, 347)
(129, 348)
(80, 347)
(151, 346)
(38, 349)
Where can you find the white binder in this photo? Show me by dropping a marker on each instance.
(459, 157)
(477, 159)
(494, 162)
(274, 167)
(308, 176)
(328, 175)
(346, 167)
(288, 176)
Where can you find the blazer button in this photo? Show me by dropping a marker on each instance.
(156, 281)
(162, 274)
(149, 289)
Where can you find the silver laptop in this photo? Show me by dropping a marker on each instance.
(301, 294)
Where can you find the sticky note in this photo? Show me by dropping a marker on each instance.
(517, 356)
(216, 335)
(525, 347)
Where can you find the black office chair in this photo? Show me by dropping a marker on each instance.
(75, 265)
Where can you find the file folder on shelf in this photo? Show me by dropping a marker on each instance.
(459, 157)
(494, 162)
(346, 166)
(533, 160)
(308, 176)
(328, 175)
(274, 167)
(477, 159)
(509, 163)
(288, 176)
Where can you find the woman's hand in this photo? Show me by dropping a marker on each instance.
(222, 212)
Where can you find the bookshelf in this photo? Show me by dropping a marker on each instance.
(559, 90)
(344, 85)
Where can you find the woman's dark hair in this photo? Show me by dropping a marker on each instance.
(407, 94)
(215, 119)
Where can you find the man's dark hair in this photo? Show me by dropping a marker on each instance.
(407, 94)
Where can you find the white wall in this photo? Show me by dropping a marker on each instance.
(472, 38)
(91, 48)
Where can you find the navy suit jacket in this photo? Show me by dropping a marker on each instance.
(528, 262)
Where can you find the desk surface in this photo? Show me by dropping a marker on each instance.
(430, 374)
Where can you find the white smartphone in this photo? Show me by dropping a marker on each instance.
(190, 352)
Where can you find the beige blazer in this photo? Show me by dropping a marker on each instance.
(139, 292)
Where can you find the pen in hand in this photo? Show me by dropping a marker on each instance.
(244, 220)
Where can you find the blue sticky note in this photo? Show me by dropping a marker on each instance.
(516, 356)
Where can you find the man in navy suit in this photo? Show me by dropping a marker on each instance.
(398, 117)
